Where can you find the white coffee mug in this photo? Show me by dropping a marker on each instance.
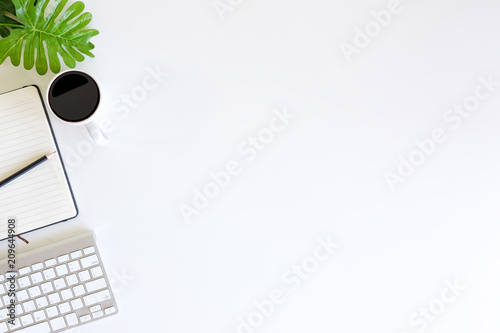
(74, 98)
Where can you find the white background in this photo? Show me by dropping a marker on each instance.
(322, 176)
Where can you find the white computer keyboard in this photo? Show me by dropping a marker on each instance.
(58, 287)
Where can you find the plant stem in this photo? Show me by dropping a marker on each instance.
(11, 25)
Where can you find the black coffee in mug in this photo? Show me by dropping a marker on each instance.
(74, 96)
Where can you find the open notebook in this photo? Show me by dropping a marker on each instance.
(43, 195)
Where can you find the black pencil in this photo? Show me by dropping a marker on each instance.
(26, 169)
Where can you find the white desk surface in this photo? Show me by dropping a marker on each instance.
(397, 254)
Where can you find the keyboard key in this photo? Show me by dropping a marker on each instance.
(47, 287)
(22, 295)
(89, 261)
(74, 266)
(19, 309)
(79, 290)
(85, 318)
(8, 284)
(63, 258)
(59, 283)
(89, 250)
(24, 270)
(49, 274)
(66, 294)
(84, 275)
(95, 285)
(41, 302)
(71, 279)
(27, 319)
(3, 327)
(2, 289)
(29, 306)
(62, 270)
(17, 324)
(4, 313)
(76, 254)
(39, 315)
(37, 266)
(96, 271)
(52, 311)
(50, 262)
(54, 298)
(38, 328)
(95, 308)
(110, 310)
(58, 323)
(77, 304)
(97, 314)
(24, 282)
(96, 297)
(36, 277)
(64, 307)
(71, 319)
(34, 291)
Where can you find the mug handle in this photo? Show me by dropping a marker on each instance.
(96, 134)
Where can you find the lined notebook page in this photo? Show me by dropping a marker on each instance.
(41, 196)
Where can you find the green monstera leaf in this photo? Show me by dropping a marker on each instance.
(49, 36)
(6, 6)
